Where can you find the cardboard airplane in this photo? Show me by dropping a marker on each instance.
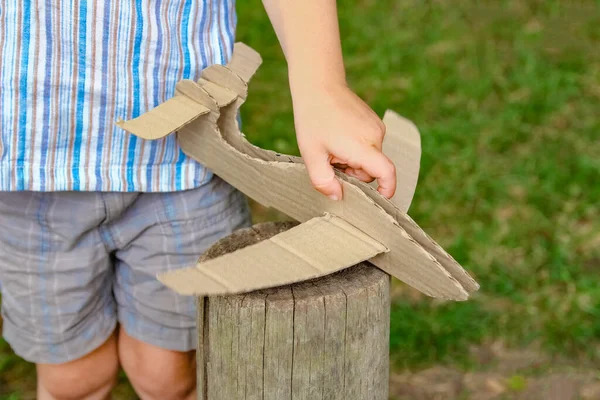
(334, 234)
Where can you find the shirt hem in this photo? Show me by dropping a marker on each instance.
(150, 179)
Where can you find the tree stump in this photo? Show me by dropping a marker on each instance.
(327, 338)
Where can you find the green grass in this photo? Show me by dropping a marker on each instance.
(506, 95)
(424, 332)
(16, 377)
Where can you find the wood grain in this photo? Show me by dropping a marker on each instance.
(322, 339)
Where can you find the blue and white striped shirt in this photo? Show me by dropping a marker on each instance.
(70, 69)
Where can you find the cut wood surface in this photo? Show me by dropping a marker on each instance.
(327, 338)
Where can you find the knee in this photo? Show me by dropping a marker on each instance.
(166, 380)
(160, 383)
(157, 373)
(92, 376)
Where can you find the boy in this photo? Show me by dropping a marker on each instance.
(83, 205)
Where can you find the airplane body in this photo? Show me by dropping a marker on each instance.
(334, 234)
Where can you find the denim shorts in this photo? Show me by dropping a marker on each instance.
(74, 264)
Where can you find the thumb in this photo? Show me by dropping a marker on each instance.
(321, 173)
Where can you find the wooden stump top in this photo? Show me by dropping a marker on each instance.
(326, 338)
(246, 237)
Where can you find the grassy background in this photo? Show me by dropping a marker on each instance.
(506, 95)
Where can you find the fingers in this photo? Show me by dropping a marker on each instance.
(359, 174)
(371, 164)
(365, 162)
(375, 164)
(321, 173)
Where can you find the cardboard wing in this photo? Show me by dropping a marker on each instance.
(281, 181)
(315, 248)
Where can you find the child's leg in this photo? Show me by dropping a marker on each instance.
(161, 232)
(90, 377)
(157, 373)
(57, 305)
(65, 254)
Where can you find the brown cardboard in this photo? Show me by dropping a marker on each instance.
(318, 247)
(168, 117)
(402, 142)
(281, 181)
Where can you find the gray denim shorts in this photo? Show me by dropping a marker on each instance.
(73, 264)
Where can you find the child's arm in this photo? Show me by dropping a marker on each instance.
(333, 125)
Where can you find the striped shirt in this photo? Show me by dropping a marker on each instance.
(70, 69)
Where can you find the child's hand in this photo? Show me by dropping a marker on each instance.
(334, 126)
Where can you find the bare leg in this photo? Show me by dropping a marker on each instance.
(91, 377)
(155, 373)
